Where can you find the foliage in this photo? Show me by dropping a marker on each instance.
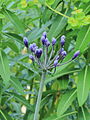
(66, 93)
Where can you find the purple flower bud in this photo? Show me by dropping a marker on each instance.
(25, 41)
(31, 57)
(53, 41)
(47, 43)
(33, 47)
(63, 37)
(76, 54)
(61, 50)
(45, 34)
(63, 54)
(58, 57)
(34, 44)
(62, 40)
(55, 63)
(43, 39)
(38, 52)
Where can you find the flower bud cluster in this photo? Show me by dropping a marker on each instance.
(48, 61)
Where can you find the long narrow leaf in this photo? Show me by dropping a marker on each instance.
(4, 68)
(58, 25)
(17, 85)
(65, 102)
(83, 85)
(23, 101)
(83, 39)
(14, 20)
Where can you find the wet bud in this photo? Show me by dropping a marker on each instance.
(76, 54)
(38, 52)
(33, 47)
(53, 41)
(31, 57)
(25, 41)
(55, 63)
(45, 34)
(62, 40)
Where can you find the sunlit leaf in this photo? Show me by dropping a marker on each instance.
(83, 85)
(4, 68)
(58, 25)
(14, 20)
(83, 38)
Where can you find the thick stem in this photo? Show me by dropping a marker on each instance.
(36, 115)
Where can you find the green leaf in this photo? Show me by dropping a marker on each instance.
(58, 25)
(83, 85)
(4, 68)
(2, 16)
(60, 72)
(48, 13)
(65, 101)
(50, 2)
(1, 25)
(4, 115)
(14, 20)
(23, 101)
(27, 66)
(14, 36)
(83, 114)
(12, 45)
(42, 1)
(51, 117)
(36, 33)
(83, 39)
(85, 1)
(17, 85)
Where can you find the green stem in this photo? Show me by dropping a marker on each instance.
(36, 115)
(83, 113)
(66, 115)
(3, 115)
(56, 11)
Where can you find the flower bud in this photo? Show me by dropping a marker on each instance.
(38, 52)
(33, 47)
(57, 58)
(55, 63)
(63, 54)
(47, 43)
(76, 54)
(45, 34)
(63, 37)
(53, 41)
(25, 41)
(61, 50)
(31, 57)
(62, 40)
(43, 39)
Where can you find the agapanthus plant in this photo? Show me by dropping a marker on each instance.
(47, 60)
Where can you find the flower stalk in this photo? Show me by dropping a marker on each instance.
(46, 63)
(36, 115)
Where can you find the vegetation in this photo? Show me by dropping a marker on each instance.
(32, 33)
